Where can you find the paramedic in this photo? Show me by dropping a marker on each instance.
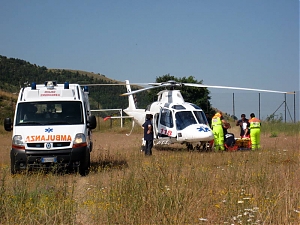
(255, 131)
(217, 127)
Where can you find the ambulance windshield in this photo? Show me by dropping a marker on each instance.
(49, 113)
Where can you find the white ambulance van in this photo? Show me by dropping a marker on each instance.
(51, 128)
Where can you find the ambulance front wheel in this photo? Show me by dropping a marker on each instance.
(85, 162)
(13, 166)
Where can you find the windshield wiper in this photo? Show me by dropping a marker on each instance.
(58, 123)
(29, 123)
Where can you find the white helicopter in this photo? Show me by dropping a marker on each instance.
(174, 120)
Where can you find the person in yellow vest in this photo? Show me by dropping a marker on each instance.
(254, 131)
(217, 127)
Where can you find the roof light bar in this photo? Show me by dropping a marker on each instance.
(66, 85)
(50, 84)
(33, 86)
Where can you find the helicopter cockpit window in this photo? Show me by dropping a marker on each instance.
(184, 119)
(167, 105)
(201, 117)
(195, 106)
(148, 107)
(166, 118)
(178, 107)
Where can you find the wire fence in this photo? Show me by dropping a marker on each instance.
(266, 106)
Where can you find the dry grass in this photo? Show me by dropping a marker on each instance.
(173, 186)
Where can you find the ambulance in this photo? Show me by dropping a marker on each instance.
(52, 128)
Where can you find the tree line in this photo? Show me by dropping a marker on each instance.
(17, 73)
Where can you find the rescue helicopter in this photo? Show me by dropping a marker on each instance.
(174, 119)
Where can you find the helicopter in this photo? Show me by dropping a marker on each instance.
(174, 119)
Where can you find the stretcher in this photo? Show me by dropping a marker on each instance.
(240, 144)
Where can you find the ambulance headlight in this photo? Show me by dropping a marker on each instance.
(79, 141)
(79, 138)
(18, 142)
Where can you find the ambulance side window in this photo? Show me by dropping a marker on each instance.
(85, 111)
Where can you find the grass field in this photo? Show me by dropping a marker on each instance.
(173, 186)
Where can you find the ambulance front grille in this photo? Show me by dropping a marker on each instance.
(54, 144)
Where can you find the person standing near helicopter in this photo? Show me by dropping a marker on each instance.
(217, 127)
(244, 125)
(148, 134)
(254, 131)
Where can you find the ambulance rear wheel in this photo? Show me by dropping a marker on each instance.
(84, 166)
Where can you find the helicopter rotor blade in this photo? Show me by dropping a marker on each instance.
(101, 85)
(168, 83)
(234, 88)
(173, 83)
(144, 89)
(114, 84)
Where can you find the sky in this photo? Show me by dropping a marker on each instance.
(238, 43)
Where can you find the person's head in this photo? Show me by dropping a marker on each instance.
(243, 116)
(219, 113)
(149, 116)
(252, 115)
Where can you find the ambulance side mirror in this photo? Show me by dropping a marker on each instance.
(92, 123)
(8, 124)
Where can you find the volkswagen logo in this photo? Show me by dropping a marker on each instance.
(48, 145)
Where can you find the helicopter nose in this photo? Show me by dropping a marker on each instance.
(196, 133)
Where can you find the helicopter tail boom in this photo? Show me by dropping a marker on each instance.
(131, 97)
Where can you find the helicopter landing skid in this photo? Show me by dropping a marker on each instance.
(205, 146)
(162, 141)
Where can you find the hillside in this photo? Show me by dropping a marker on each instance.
(7, 104)
(17, 73)
(98, 76)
